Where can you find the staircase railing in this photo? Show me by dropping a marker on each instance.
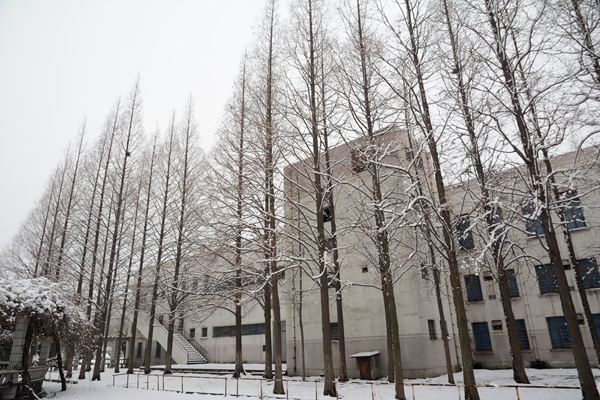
(195, 344)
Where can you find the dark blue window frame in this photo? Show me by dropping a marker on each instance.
(533, 227)
(574, 214)
(481, 336)
(559, 334)
(473, 285)
(596, 318)
(546, 278)
(465, 234)
(522, 330)
(512, 283)
(588, 269)
(499, 225)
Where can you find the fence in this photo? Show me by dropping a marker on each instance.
(261, 387)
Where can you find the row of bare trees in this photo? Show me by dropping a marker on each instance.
(476, 87)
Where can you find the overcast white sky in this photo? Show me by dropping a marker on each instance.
(64, 60)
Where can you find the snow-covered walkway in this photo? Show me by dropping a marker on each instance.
(253, 388)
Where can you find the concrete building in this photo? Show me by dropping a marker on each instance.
(536, 305)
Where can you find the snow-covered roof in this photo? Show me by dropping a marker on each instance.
(364, 354)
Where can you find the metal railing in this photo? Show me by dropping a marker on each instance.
(177, 383)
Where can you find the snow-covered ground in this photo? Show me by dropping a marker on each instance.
(254, 388)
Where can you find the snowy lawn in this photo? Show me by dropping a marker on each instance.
(252, 387)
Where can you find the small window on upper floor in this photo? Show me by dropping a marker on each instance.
(533, 223)
(432, 332)
(546, 278)
(499, 225)
(326, 214)
(473, 286)
(573, 212)
(512, 283)
(465, 234)
(588, 269)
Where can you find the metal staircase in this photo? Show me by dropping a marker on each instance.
(194, 357)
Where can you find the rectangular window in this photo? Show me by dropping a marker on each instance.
(158, 350)
(161, 319)
(139, 350)
(326, 214)
(512, 283)
(432, 332)
(499, 225)
(333, 331)
(522, 330)
(533, 223)
(588, 269)
(229, 331)
(573, 212)
(481, 335)
(204, 332)
(596, 318)
(546, 278)
(465, 235)
(192, 333)
(559, 335)
(473, 285)
(180, 323)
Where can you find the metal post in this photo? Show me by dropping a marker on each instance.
(163, 379)
(517, 390)
(182, 384)
(261, 395)
(158, 382)
(147, 381)
(287, 391)
(138, 381)
(113, 380)
(316, 391)
(237, 387)
(225, 387)
(127, 386)
(413, 391)
(372, 392)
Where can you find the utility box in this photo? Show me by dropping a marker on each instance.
(368, 364)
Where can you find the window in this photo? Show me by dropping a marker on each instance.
(180, 323)
(229, 331)
(533, 223)
(546, 278)
(158, 350)
(465, 235)
(499, 225)
(559, 335)
(481, 335)
(253, 329)
(365, 270)
(204, 332)
(334, 333)
(431, 326)
(512, 283)
(473, 285)
(139, 350)
(573, 212)
(596, 318)
(160, 319)
(224, 331)
(588, 269)
(193, 333)
(522, 331)
(326, 214)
